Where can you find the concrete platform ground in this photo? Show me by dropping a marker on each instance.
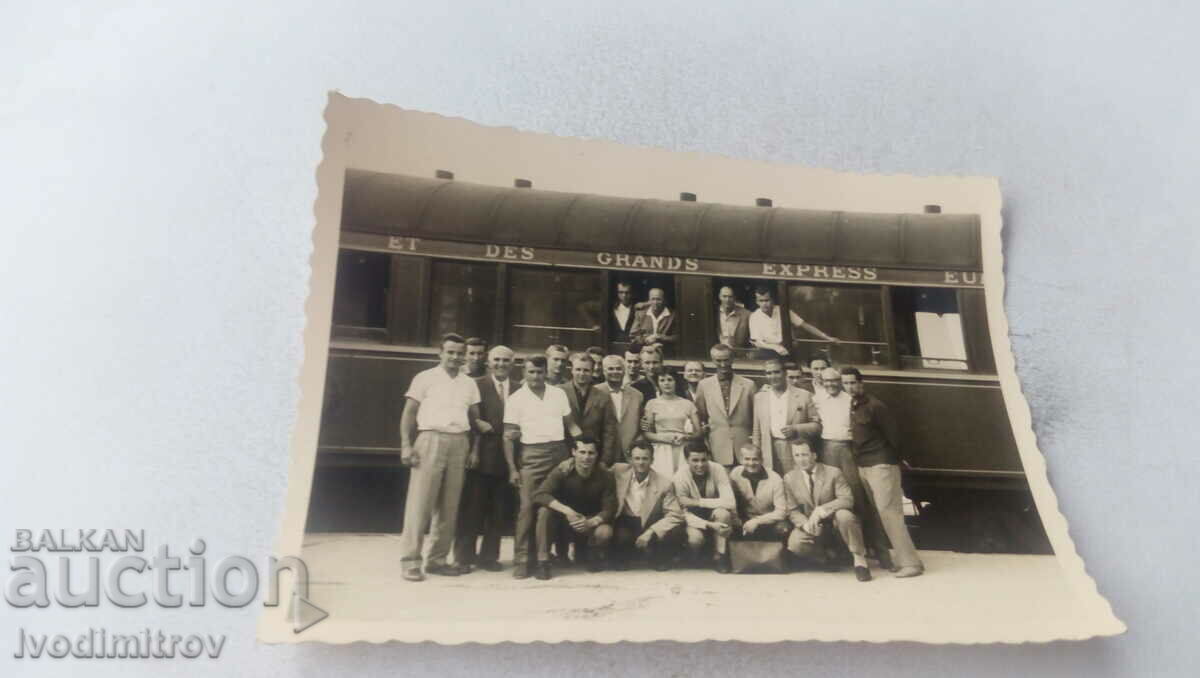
(961, 598)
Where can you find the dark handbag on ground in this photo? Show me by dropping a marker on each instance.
(756, 557)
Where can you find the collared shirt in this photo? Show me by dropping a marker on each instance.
(582, 395)
(622, 314)
(444, 400)
(835, 417)
(779, 412)
(501, 388)
(726, 389)
(727, 324)
(819, 393)
(656, 321)
(875, 434)
(540, 419)
(617, 396)
(755, 478)
(636, 495)
(701, 484)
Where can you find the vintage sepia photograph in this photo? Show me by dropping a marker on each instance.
(560, 389)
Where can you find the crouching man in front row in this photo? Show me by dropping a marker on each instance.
(580, 492)
(817, 495)
(649, 517)
(762, 506)
(703, 489)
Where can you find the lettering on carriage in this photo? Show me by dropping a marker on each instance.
(962, 277)
(656, 263)
(396, 242)
(820, 272)
(511, 252)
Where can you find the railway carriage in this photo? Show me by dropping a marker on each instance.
(903, 293)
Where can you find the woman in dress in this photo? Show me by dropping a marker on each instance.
(672, 421)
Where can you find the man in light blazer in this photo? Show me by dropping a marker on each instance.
(485, 484)
(709, 505)
(655, 324)
(725, 402)
(649, 517)
(593, 409)
(818, 494)
(762, 506)
(626, 402)
(784, 418)
(733, 321)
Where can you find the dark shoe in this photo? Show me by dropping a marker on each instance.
(562, 560)
(413, 574)
(885, 561)
(721, 565)
(861, 573)
(521, 571)
(543, 570)
(595, 565)
(620, 564)
(443, 570)
(491, 566)
(463, 568)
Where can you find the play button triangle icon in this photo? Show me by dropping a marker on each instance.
(305, 614)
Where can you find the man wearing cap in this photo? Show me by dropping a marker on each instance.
(441, 408)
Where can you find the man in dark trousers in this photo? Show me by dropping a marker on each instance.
(485, 486)
(578, 494)
(649, 517)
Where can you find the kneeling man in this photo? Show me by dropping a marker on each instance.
(581, 492)
(703, 489)
(649, 517)
(818, 494)
(762, 506)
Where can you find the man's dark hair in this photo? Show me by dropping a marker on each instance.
(762, 290)
(852, 371)
(476, 341)
(635, 347)
(721, 348)
(789, 365)
(536, 361)
(641, 443)
(595, 350)
(584, 439)
(452, 337)
(695, 447)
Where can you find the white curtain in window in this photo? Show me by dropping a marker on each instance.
(941, 338)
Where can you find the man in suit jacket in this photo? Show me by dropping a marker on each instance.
(762, 506)
(649, 517)
(620, 321)
(784, 418)
(818, 494)
(733, 321)
(709, 505)
(693, 374)
(485, 485)
(655, 324)
(593, 409)
(725, 403)
(626, 402)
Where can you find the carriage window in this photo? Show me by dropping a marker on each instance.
(463, 299)
(621, 325)
(853, 314)
(547, 306)
(929, 332)
(727, 329)
(360, 295)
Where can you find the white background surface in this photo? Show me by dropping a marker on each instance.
(158, 184)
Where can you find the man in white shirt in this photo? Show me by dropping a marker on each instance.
(766, 326)
(784, 418)
(633, 365)
(649, 517)
(441, 408)
(815, 368)
(539, 417)
(794, 375)
(837, 450)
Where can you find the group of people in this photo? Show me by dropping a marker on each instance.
(622, 458)
(651, 323)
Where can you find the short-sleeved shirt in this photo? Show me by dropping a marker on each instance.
(540, 419)
(444, 400)
(769, 330)
(835, 417)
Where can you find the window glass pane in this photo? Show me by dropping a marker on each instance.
(929, 332)
(462, 299)
(553, 307)
(360, 295)
(853, 314)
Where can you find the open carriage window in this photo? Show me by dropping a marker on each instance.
(360, 295)
(853, 314)
(929, 329)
